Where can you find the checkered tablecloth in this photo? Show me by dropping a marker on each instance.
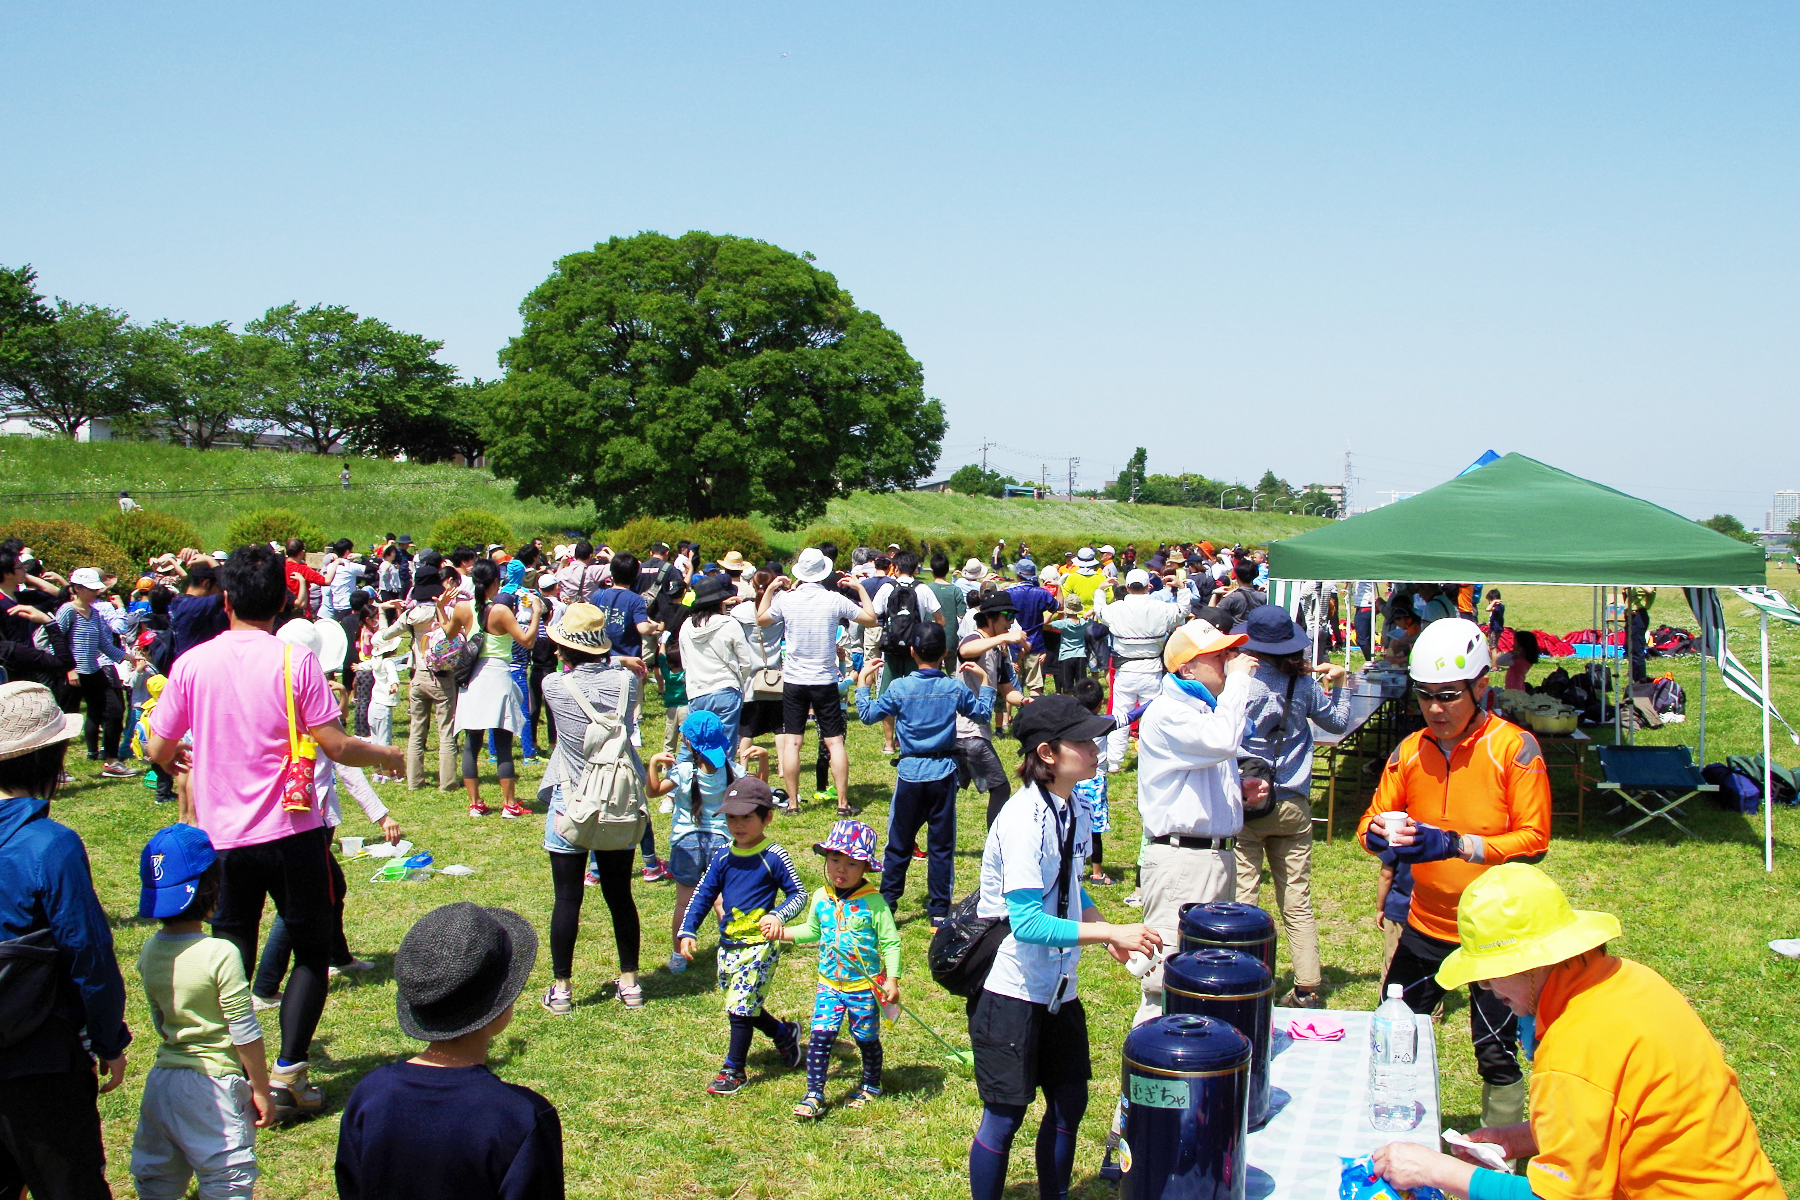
(1322, 1090)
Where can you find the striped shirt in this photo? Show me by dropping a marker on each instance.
(93, 636)
(813, 616)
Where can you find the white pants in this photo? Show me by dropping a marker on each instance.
(194, 1125)
(1173, 877)
(381, 724)
(1131, 687)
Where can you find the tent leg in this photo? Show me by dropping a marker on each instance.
(1768, 762)
(1705, 650)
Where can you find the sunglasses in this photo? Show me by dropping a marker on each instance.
(1426, 695)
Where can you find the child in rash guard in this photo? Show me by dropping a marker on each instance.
(745, 878)
(859, 962)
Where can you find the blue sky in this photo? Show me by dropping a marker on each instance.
(1241, 235)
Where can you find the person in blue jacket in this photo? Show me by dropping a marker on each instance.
(49, 1118)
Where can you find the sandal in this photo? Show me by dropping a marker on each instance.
(861, 1096)
(631, 994)
(1101, 880)
(811, 1108)
(845, 812)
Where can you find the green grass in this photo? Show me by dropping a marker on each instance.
(629, 1084)
(409, 497)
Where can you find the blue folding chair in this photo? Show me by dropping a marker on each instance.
(1655, 780)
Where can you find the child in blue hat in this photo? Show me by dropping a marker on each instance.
(859, 962)
(209, 1090)
(697, 829)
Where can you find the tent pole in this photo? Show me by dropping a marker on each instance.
(1704, 651)
(1768, 763)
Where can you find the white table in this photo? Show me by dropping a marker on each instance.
(1323, 1092)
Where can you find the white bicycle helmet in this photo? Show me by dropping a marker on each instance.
(1449, 651)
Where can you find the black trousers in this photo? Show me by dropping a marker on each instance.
(50, 1137)
(614, 869)
(105, 713)
(543, 721)
(932, 804)
(1491, 1024)
(1637, 628)
(294, 872)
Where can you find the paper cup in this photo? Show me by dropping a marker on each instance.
(1392, 823)
(352, 846)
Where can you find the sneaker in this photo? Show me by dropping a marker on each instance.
(558, 1000)
(811, 1108)
(590, 880)
(726, 1082)
(918, 852)
(93, 756)
(1136, 900)
(939, 922)
(479, 810)
(656, 873)
(64, 779)
(531, 761)
(265, 1003)
(355, 964)
(293, 1095)
(118, 771)
(677, 964)
(828, 796)
(514, 811)
(788, 1045)
(1311, 998)
(631, 995)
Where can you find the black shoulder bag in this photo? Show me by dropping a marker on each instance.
(28, 979)
(963, 948)
(468, 659)
(1256, 768)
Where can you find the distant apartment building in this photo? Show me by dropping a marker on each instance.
(1786, 507)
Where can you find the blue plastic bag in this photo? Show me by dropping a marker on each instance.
(1359, 1182)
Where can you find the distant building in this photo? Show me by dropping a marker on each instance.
(1334, 490)
(1786, 508)
(17, 423)
(936, 485)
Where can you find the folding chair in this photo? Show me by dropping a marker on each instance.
(1652, 775)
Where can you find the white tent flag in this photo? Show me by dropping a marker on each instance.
(1739, 678)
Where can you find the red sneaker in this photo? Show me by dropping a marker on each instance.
(918, 852)
(515, 810)
(479, 810)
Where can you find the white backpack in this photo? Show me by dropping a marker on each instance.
(605, 808)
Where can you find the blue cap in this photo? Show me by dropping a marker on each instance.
(706, 734)
(170, 868)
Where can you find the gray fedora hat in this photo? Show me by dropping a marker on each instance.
(458, 968)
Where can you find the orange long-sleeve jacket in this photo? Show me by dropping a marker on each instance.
(1494, 784)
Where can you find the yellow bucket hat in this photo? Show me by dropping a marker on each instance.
(1514, 918)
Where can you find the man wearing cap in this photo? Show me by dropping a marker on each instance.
(812, 615)
(1030, 603)
(1467, 792)
(1189, 795)
(924, 706)
(1630, 1093)
(1140, 625)
(49, 1122)
(987, 647)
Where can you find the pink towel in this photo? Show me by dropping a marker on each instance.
(1316, 1029)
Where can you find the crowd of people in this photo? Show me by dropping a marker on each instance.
(259, 685)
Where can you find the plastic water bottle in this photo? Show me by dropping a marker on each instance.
(1393, 1064)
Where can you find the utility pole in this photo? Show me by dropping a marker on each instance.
(1348, 478)
(1073, 463)
(985, 447)
(1044, 477)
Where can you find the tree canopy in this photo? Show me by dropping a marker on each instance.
(706, 376)
(974, 480)
(1730, 526)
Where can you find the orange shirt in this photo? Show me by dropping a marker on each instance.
(1494, 785)
(1630, 1094)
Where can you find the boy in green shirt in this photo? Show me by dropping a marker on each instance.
(209, 1090)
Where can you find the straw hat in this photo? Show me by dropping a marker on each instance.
(1514, 918)
(974, 570)
(30, 720)
(735, 563)
(583, 627)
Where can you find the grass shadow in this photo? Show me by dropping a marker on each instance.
(700, 977)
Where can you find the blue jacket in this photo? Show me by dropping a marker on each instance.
(924, 705)
(45, 883)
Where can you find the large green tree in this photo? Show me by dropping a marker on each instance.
(705, 376)
(973, 480)
(1730, 526)
(86, 363)
(337, 376)
(453, 420)
(217, 382)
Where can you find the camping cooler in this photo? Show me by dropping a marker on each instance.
(1186, 1091)
(1237, 989)
(1230, 926)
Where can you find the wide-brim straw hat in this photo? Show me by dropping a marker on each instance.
(583, 627)
(30, 719)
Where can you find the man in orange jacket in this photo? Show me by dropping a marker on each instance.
(1466, 793)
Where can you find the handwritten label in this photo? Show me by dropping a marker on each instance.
(1159, 1093)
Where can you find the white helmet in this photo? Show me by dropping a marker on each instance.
(1449, 651)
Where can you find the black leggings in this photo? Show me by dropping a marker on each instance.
(566, 871)
(503, 760)
(105, 713)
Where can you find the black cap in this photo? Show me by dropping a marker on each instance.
(713, 589)
(930, 642)
(1056, 719)
(202, 571)
(747, 795)
(1215, 616)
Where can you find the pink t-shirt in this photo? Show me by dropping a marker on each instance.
(228, 693)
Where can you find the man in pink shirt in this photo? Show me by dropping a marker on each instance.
(229, 694)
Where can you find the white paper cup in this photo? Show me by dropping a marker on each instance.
(352, 846)
(1392, 823)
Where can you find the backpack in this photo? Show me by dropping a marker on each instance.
(1667, 696)
(900, 627)
(468, 656)
(1738, 792)
(605, 809)
(1782, 780)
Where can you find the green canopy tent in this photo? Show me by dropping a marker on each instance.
(1517, 520)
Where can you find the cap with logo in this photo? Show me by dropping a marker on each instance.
(747, 795)
(170, 868)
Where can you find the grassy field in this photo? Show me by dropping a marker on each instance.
(409, 497)
(629, 1083)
